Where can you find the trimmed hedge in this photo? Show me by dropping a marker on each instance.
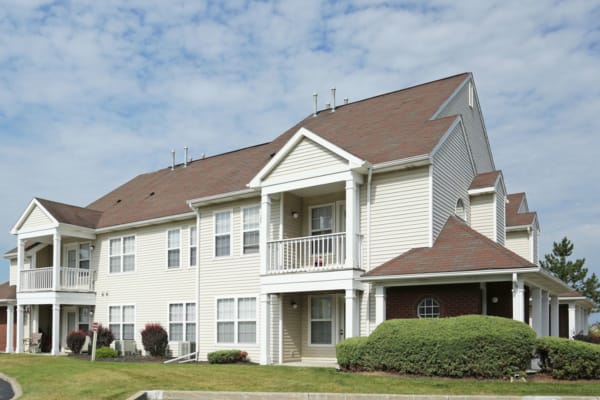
(106, 352)
(226, 356)
(472, 345)
(568, 359)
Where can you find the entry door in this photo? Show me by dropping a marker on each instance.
(341, 318)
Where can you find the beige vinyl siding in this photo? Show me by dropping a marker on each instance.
(519, 242)
(482, 214)
(307, 156)
(13, 272)
(452, 176)
(36, 219)
(231, 276)
(292, 328)
(500, 213)
(274, 219)
(151, 287)
(399, 214)
(291, 227)
(474, 128)
(43, 258)
(535, 255)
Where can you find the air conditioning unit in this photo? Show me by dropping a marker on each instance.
(179, 349)
(125, 347)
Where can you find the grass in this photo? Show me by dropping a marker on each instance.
(63, 377)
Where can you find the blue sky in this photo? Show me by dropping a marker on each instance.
(93, 93)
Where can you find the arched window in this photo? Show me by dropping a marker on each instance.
(428, 308)
(459, 210)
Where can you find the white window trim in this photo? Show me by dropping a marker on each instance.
(185, 321)
(236, 320)
(214, 233)
(243, 231)
(192, 245)
(121, 321)
(333, 216)
(178, 267)
(121, 255)
(333, 320)
(439, 306)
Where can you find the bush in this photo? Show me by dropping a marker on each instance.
(227, 356)
(350, 353)
(106, 352)
(76, 340)
(104, 339)
(591, 338)
(472, 345)
(568, 359)
(155, 340)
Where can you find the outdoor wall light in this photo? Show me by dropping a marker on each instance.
(295, 214)
(494, 299)
(294, 305)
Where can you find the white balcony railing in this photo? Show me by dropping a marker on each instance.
(304, 254)
(70, 279)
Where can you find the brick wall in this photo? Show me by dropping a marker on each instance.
(3, 328)
(461, 299)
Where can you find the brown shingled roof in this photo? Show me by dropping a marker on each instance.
(69, 214)
(8, 292)
(457, 248)
(513, 216)
(487, 179)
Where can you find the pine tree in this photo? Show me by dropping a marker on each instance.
(572, 272)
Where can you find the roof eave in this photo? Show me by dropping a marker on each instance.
(448, 274)
(223, 197)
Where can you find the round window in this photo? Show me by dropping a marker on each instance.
(428, 308)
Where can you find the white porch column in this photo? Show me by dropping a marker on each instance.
(518, 299)
(55, 329)
(265, 221)
(10, 317)
(554, 329)
(20, 261)
(352, 315)
(35, 318)
(545, 313)
(265, 328)
(536, 310)
(572, 320)
(379, 304)
(19, 344)
(351, 223)
(56, 262)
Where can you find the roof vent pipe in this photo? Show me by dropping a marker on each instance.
(333, 99)
(185, 157)
(315, 101)
(172, 160)
(345, 100)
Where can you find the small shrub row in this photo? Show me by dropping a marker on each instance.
(591, 338)
(472, 345)
(568, 359)
(227, 356)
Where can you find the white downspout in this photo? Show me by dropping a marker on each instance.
(197, 284)
(368, 266)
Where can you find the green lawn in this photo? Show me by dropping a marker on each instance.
(63, 377)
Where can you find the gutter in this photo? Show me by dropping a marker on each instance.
(447, 274)
(222, 197)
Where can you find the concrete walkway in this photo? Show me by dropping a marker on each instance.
(181, 395)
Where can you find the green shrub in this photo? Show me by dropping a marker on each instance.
(350, 353)
(472, 345)
(226, 356)
(568, 359)
(155, 340)
(106, 352)
(75, 341)
(104, 339)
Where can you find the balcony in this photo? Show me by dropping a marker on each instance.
(307, 254)
(70, 279)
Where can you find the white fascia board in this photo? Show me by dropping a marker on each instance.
(353, 161)
(518, 228)
(8, 301)
(146, 222)
(310, 182)
(223, 197)
(38, 233)
(451, 97)
(500, 179)
(76, 231)
(482, 272)
(410, 162)
(484, 190)
(301, 282)
(23, 217)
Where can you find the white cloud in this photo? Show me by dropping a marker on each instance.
(93, 93)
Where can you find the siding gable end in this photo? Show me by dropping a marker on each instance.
(34, 218)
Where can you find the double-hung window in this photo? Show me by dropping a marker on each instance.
(236, 320)
(84, 256)
(182, 322)
(321, 223)
(121, 320)
(321, 320)
(193, 246)
(250, 229)
(122, 254)
(84, 319)
(222, 233)
(173, 248)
